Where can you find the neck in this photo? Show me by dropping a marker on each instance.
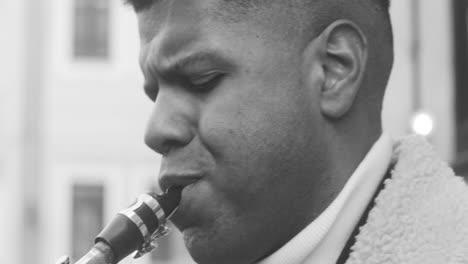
(347, 150)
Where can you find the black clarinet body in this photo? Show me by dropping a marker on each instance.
(136, 228)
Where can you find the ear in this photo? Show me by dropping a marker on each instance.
(342, 49)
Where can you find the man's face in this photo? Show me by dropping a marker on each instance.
(234, 124)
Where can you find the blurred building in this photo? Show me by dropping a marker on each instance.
(72, 115)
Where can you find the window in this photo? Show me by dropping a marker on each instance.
(461, 92)
(91, 29)
(87, 217)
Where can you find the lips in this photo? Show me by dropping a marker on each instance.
(182, 168)
(185, 169)
(180, 179)
(185, 179)
(190, 205)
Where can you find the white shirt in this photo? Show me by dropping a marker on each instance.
(323, 240)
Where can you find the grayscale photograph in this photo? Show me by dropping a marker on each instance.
(234, 131)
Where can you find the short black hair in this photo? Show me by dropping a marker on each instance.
(142, 4)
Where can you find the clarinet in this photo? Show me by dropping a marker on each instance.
(136, 228)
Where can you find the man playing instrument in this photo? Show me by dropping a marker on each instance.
(268, 113)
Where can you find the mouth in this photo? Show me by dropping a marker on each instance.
(194, 209)
(187, 181)
(178, 179)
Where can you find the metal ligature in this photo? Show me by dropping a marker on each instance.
(136, 228)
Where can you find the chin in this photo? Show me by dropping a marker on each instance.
(198, 245)
(207, 248)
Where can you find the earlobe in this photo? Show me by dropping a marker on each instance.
(344, 62)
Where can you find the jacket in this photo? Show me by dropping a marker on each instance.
(420, 216)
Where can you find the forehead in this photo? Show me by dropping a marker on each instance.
(202, 15)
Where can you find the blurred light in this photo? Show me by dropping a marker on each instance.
(422, 124)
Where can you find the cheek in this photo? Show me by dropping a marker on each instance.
(253, 134)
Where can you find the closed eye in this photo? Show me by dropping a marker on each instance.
(206, 82)
(199, 84)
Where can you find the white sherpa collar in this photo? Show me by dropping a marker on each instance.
(421, 216)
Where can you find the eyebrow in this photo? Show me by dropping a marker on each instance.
(213, 57)
(176, 66)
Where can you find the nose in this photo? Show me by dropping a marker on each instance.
(170, 124)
